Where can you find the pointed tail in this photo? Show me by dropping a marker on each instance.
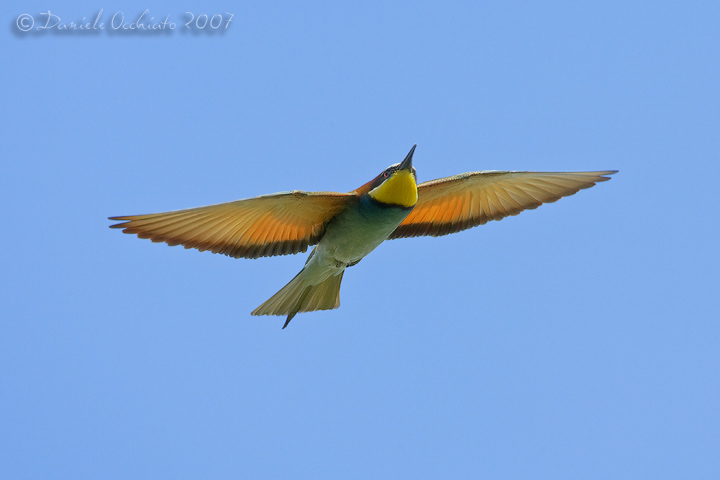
(301, 296)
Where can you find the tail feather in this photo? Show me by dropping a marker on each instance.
(301, 296)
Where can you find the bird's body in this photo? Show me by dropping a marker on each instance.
(356, 232)
(347, 227)
(349, 237)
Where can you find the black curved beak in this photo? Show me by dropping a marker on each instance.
(407, 163)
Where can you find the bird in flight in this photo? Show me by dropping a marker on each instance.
(345, 227)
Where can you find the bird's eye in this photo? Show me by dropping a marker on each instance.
(386, 174)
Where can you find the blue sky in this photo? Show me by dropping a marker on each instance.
(578, 340)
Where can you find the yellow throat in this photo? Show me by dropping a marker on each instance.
(400, 189)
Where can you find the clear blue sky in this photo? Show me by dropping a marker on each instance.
(579, 340)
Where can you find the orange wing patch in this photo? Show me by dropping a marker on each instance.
(452, 204)
(279, 224)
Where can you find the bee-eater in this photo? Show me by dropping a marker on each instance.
(344, 227)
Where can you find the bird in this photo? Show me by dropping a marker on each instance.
(345, 227)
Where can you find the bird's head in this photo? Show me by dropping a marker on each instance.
(396, 186)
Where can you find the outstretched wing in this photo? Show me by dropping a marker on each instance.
(452, 204)
(278, 224)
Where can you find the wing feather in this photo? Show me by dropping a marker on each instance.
(452, 204)
(279, 224)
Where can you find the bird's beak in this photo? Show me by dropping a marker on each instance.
(407, 163)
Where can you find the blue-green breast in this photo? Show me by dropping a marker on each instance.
(357, 231)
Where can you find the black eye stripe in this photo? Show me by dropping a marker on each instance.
(383, 176)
